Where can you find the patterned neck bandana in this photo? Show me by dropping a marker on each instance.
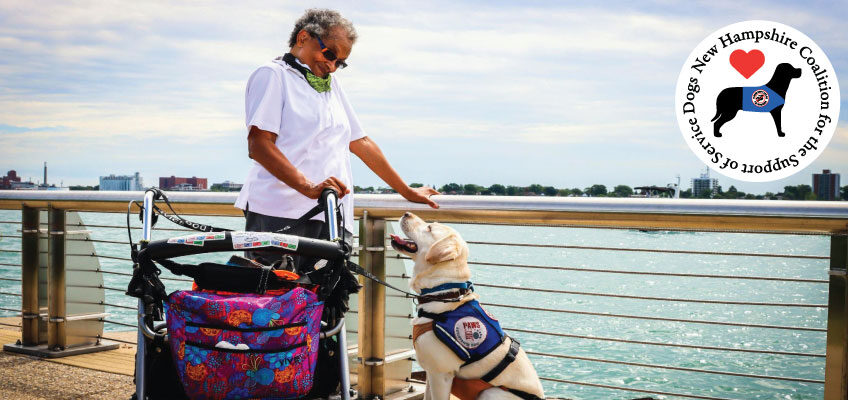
(320, 85)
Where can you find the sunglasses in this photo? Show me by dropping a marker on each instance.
(328, 54)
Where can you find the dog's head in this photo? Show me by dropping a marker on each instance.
(439, 253)
(786, 69)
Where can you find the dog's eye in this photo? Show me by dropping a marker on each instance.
(429, 228)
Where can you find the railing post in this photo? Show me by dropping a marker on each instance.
(836, 364)
(56, 307)
(29, 276)
(372, 308)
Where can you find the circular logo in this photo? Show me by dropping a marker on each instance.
(760, 98)
(470, 332)
(757, 101)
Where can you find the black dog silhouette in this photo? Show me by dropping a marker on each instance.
(730, 100)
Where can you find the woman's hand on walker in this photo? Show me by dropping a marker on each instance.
(421, 195)
(313, 190)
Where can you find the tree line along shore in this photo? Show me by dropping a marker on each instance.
(798, 192)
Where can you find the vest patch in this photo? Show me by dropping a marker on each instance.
(760, 99)
(470, 332)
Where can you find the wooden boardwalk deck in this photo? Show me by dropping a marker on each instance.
(101, 375)
(119, 361)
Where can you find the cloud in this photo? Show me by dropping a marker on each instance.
(618, 131)
(13, 129)
(414, 130)
(548, 76)
(836, 152)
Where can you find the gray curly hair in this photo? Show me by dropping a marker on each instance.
(319, 21)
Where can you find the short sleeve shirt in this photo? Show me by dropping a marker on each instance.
(314, 131)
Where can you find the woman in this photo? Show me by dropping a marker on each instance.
(301, 131)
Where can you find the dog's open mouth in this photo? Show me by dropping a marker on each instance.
(403, 245)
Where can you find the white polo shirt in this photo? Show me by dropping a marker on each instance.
(314, 131)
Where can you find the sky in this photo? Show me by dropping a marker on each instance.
(564, 94)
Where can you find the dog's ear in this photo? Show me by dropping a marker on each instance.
(445, 249)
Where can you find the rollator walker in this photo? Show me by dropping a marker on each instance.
(248, 330)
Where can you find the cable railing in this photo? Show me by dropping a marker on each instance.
(499, 295)
(663, 319)
(632, 227)
(678, 345)
(665, 251)
(678, 300)
(548, 333)
(652, 273)
(532, 353)
(674, 300)
(674, 368)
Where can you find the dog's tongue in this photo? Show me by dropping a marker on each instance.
(407, 245)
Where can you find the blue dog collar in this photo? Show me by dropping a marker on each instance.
(447, 286)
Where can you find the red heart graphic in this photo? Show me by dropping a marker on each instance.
(747, 63)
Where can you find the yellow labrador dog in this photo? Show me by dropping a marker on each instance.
(462, 348)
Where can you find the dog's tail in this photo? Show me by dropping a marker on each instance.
(718, 114)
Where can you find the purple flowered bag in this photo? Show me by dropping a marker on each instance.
(244, 345)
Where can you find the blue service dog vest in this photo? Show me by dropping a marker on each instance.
(469, 331)
(760, 99)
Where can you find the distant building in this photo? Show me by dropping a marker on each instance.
(13, 181)
(7, 181)
(121, 182)
(826, 185)
(226, 186)
(653, 191)
(182, 184)
(704, 183)
(29, 185)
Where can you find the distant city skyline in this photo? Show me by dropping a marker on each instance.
(558, 94)
(705, 180)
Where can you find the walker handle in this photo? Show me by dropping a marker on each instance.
(329, 200)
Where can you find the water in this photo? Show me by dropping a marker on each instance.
(600, 326)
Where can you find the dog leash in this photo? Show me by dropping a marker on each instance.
(427, 297)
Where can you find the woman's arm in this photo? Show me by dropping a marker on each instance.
(370, 154)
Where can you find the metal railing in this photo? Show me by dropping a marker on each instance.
(829, 220)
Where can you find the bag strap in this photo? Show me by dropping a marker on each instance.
(300, 221)
(229, 278)
(176, 218)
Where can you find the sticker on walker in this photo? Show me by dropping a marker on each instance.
(250, 240)
(198, 240)
(470, 332)
(757, 101)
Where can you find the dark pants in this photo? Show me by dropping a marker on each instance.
(256, 222)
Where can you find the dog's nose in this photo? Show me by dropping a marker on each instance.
(407, 214)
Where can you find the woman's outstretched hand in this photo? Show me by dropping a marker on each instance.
(421, 195)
